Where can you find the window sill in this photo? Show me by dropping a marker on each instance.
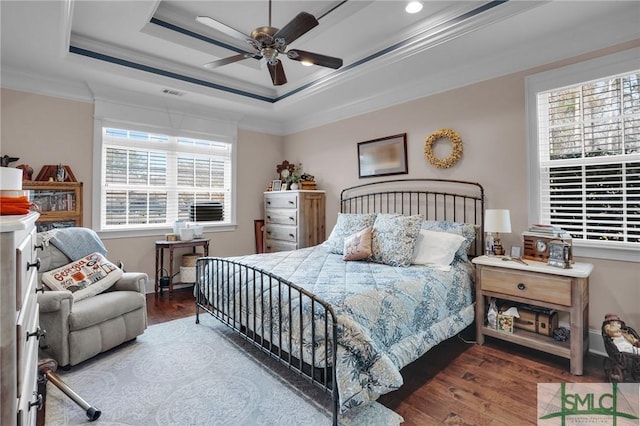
(157, 232)
(606, 252)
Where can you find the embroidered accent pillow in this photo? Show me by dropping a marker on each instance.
(346, 225)
(436, 248)
(394, 237)
(358, 245)
(84, 277)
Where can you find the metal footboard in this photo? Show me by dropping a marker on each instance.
(246, 298)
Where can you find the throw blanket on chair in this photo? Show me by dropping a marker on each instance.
(76, 243)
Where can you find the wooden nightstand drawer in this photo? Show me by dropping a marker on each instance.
(542, 287)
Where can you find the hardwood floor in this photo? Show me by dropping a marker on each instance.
(456, 382)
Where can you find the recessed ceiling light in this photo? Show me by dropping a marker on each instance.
(413, 7)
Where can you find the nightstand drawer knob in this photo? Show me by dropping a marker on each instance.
(521, 286)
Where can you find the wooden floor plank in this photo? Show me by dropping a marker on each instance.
(456, 383)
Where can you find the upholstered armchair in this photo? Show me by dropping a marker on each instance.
(77, 330)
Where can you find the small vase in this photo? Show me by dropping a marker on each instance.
(294, 186)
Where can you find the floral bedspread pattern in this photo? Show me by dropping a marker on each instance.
(387, 316)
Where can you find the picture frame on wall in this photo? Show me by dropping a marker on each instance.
(383, 157)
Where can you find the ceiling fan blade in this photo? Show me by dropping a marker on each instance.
(277, 74)
(225, 29)
(299, 25)
(315, 58)
(229, 60)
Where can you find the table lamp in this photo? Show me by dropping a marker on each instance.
(496, 221)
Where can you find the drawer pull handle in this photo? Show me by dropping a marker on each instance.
(31, 265)
(268, 202)
(268, 217)
(291, 218)
(37, 334)
(521, 286)
(39, 247)
(37, 403)
(291, 202)
(269, 232)
(291, 235)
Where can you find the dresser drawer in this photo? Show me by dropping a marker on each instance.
(28, 389)
(281, 232)
(26, 323)
(542, 287)
(25, 256)
(271, 246)
(282, 200)
(281, 217)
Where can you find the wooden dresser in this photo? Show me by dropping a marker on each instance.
(293, 219)
(19, 327)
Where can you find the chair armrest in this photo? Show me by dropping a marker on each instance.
(131, 281)
(50, 301)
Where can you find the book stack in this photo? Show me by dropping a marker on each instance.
(308, 184)
(547, 231)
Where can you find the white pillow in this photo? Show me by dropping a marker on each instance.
(84, 277)
(436, 248)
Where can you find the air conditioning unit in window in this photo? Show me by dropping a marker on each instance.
(206, 211)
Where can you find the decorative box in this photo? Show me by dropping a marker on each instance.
(505, 323)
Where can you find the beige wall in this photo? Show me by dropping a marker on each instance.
(44, 130)
(490, 118)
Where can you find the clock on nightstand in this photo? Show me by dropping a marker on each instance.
(536, 247)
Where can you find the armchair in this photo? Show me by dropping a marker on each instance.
(77, 330)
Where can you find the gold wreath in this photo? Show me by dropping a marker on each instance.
(456, 142)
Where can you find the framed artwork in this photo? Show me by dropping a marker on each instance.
(383, 157)
(276, 185)
(516, 251)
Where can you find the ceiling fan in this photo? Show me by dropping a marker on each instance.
(269, 42)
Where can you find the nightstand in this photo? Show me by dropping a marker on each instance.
(537, 284)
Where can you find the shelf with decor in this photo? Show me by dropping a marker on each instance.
(60, 203)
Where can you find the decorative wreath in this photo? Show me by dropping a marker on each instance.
(456, 142)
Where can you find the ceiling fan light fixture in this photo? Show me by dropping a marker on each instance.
(306, 63)
(413, 7)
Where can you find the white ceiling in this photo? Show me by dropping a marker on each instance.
(133, 49)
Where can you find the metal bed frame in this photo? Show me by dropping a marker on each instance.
(403, 196)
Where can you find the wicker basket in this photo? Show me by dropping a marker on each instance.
(620, 366)
(189, 260)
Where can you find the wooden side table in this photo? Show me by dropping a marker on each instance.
(540, 285)
(161, 245)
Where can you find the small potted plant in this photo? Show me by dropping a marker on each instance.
(294, 177)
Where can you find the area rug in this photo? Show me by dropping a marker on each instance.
(182, 373)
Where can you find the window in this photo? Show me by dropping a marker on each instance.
(151, 180)
(586, 157)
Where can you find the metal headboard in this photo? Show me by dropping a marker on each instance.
(435, 199)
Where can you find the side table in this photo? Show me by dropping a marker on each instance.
(161, 245)
(537, 284)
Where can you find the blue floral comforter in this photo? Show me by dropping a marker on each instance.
(387, 316)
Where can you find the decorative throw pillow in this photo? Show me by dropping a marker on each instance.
(394, 237)
(436, 248)
(467, 230)
(358, 245)
(346, 225)
(84, 277)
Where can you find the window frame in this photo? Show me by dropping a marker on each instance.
(111, 115)
(575, 74)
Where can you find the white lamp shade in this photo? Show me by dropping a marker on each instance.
(10, 179)
(497, 220)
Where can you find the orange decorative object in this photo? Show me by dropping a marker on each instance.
(14, 205)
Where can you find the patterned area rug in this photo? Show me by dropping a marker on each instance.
(180, 373)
